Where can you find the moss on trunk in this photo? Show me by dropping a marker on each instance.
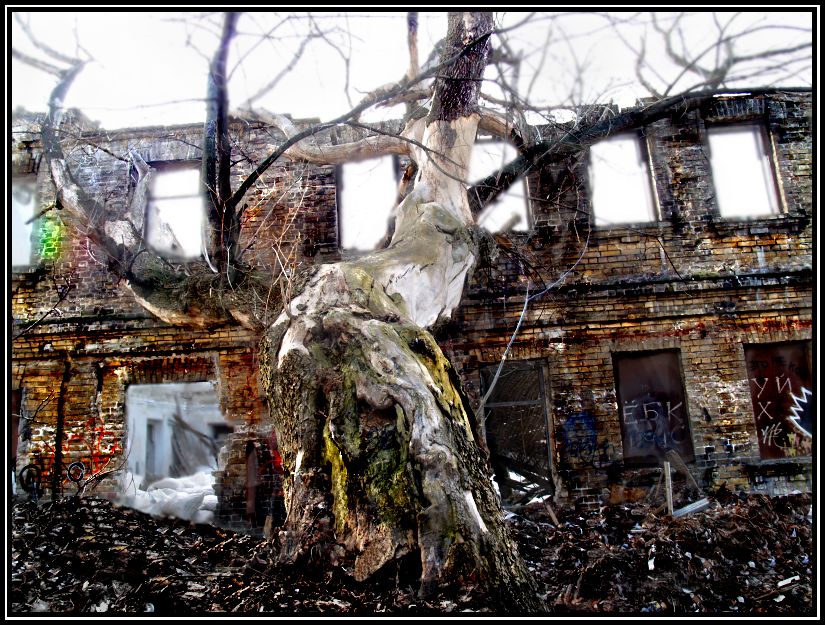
(381, 461)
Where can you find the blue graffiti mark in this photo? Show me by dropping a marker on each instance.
(580, 427)
(581, 441)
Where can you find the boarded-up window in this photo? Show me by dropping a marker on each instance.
(517, 433)
(652, 409)
(779, 376)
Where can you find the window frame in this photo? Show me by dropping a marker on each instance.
(652, 459)
(650, 191)
(159, 169)
(766, 154)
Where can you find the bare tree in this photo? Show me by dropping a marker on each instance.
(380, 443)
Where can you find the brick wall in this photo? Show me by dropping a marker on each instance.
(692, 282)
(81, 339)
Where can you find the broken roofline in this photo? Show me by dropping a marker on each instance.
(584, 111)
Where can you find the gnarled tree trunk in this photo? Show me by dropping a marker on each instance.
(373, 428)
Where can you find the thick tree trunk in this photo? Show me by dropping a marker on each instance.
(374, 429)
(375, 433)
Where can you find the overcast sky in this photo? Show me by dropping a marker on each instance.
(148, 68)
(143, 59)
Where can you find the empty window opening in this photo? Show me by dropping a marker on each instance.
(23, 203)
(652, 408)
(779, 377)
(174, 211)
(620, 181)
(175, 434)
(515, 421)
(367, 192)
(742, 173)
(510, 209)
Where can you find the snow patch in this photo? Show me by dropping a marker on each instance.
(191, 497)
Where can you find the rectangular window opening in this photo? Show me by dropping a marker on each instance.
(517, 431)
(510, 211)
(743, 175)
(174, 211)
(174, 429)
(621, 182)
(367, 192)
(23, 207)
(652, 408)
(780, 382)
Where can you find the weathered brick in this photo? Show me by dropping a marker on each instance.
(692, 282)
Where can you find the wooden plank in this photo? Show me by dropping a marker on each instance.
(668, 488)
(696, 506)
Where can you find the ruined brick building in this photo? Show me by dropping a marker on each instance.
(672, 319)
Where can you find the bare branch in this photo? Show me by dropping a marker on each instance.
(38, 64)
(412, 43)
(576, 139)
(287, 68)
(215, 169)
(57, 56)
(260, 39)
(369, 147)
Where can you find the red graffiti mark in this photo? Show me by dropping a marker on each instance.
(102, 445)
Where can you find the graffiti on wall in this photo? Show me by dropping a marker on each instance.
(652, 408)
(779, 377)
(581, 441)
(97, 442)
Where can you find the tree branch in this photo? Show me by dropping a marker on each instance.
(578, 139)
(216, 166)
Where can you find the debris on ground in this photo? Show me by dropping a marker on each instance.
(740, 555)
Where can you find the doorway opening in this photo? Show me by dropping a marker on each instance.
(175, 435)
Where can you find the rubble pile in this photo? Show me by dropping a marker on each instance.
(742, 555)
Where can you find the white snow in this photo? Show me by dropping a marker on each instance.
(191, 497)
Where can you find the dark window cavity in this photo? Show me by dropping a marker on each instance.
(652, 408)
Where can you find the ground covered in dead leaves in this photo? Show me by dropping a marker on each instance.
(742, 556)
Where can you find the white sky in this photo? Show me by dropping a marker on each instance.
(144, 59)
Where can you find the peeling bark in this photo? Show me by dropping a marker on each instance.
(374, 430)
(305, 149)
(377, 442)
